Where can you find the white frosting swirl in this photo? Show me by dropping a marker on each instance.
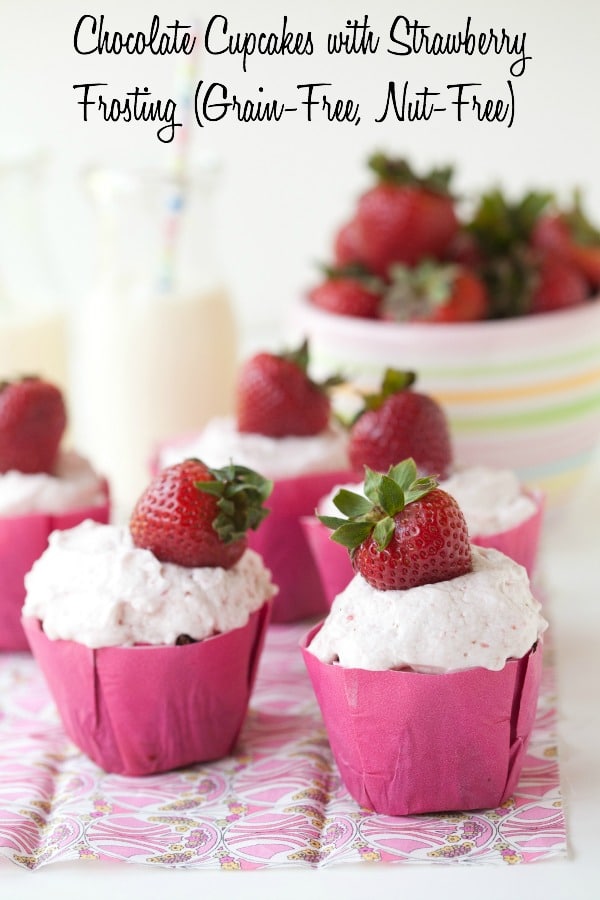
(220, 442)
(73, 485)
(482, 619)
(492, 500)
(92, 585)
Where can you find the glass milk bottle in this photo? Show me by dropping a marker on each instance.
(154, 344)
(32, 323)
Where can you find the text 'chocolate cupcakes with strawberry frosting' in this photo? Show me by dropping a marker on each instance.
(427, 668)
(149, 636)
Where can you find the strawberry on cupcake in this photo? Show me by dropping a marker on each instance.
(42, 487)
(283, 426)
(393, 423)
(149, 635)
(398, 422)
(427, 667)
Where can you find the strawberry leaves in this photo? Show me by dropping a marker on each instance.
(241, 493)
(399, 172)
(394, 381)
(386, 495)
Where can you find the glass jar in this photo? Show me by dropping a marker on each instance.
(33, 339)
(154, 348)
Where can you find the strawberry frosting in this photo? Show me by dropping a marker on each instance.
(92, 585)
(492, 499)
(482, 619)
(220, 442)
(73, 485)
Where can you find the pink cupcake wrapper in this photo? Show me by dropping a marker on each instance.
(147, 709)
(23, 539)
(331, 559)
(281, 542)
(408, 743)
(522, 541)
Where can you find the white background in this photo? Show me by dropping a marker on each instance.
(284, 189)
(287, 185)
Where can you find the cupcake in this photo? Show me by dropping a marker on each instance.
(393, 423)
(427, 668)
(149, 635)
(42, 488)
(283, 427)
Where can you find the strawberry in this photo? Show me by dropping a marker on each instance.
(435, 292)
(32, 423)
(403, 218)
(346, 295)
(345, 244)
(193, 515)
(397, 423)
(560, 285)
(404, 532)
(584, 250)
(551, 235)
(464, 250)
(535, 258)
(276, 397)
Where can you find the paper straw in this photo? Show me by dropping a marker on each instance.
(185, 75)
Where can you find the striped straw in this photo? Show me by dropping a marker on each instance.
(185, 75)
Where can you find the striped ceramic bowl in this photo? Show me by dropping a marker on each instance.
(523, 392)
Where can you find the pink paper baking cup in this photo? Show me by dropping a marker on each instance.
(148, 709)
(281, 542)
(408, 743)
(522, 542)
(331, 559)
(23, 539)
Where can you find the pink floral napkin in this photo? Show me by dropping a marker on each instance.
(278, 801)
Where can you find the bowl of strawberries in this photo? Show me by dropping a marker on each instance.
(496, 310)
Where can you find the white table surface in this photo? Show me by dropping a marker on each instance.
(571, 570)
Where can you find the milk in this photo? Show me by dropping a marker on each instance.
(33, 343)
(145, 371)
(154, 345)
(33, 332)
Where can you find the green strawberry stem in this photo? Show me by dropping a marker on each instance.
(394, 381)
(499, 225)
(386, 495)
(582, 230)
(502, 230)
(357, 272)
(398, 171)
(419, 290)
(301, 358)
(241, 493)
